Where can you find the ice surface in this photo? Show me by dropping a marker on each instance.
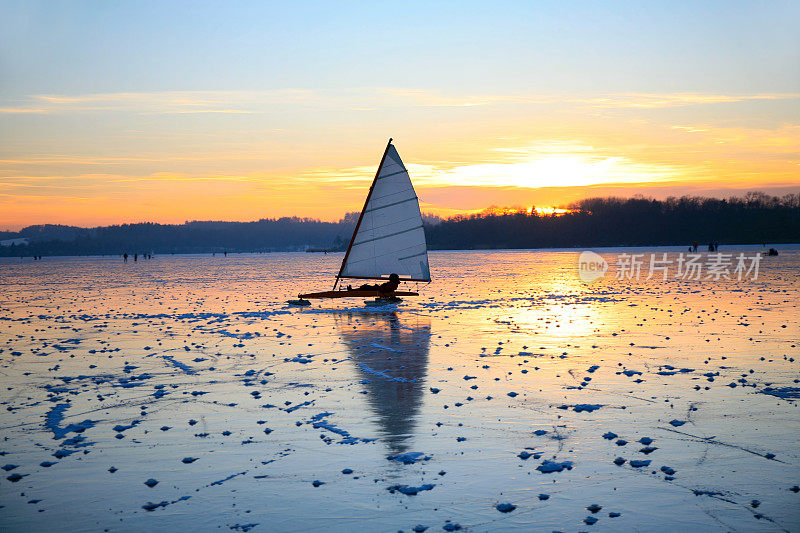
(505, 385)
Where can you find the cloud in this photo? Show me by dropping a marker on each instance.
(163, 177)
(428, 98)
(22, 110)
(375, 98)
(219, 111)
(536, 165)
(104, 161)
(654, 101)
(165, 102)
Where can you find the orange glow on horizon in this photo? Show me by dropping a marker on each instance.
(512, 154)
(550, 211)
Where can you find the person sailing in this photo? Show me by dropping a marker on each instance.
(385, 290)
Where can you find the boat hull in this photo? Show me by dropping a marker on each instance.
(352, 294)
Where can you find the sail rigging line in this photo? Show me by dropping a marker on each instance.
(390, 235)
(354, 261)
(391, 224)
(392, 204)
(361, 217)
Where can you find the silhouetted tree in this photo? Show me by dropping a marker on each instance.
(753, 218)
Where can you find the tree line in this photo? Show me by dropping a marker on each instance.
(751, 219)
(266, 235)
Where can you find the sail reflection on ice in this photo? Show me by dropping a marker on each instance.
(391, 355)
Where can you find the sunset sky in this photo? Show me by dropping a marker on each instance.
(116, 112)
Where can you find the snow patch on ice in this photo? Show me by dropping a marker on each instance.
(55, 416)
(374, 372)
(409, 457)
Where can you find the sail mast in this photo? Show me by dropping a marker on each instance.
(361, 217)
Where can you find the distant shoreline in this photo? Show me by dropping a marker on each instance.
(724, 248)
(592, 223)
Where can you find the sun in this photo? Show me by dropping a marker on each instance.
(545, 164)
(549, 211)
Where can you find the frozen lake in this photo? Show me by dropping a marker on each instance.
(508, 381)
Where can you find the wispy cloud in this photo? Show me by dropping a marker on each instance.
(536, 165)
(653, 101)
(429, 98)
(219, 111)
(780, 141)
(22, 110)
(164, 102)
(164, 177)
(51, 160)
(250, 102)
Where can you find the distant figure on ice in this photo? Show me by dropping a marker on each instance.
(385, 289)
(771, 252)
(135, 257)
(125, 257)
(694, 246)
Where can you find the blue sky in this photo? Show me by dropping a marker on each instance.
(578, 47)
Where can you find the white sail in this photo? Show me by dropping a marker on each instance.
(389, 238)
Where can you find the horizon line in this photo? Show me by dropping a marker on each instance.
(497, 209)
